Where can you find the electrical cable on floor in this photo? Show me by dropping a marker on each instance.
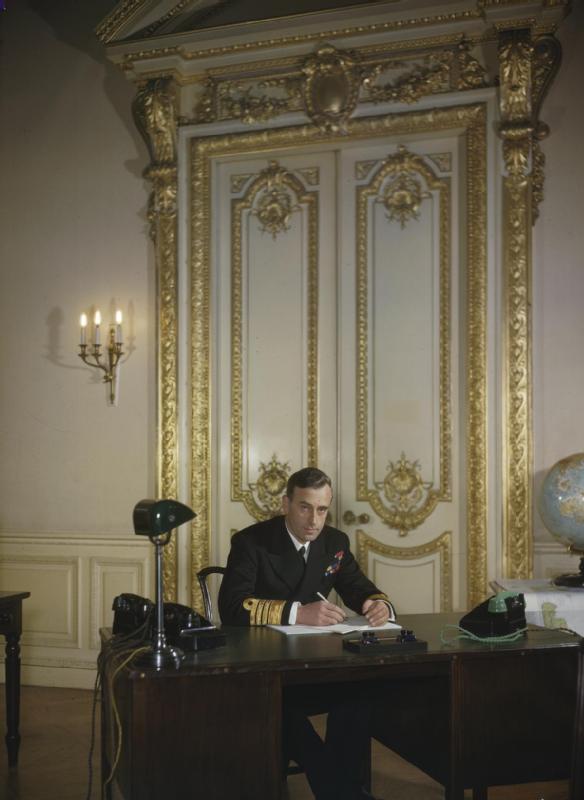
(96, 687)
(114, 707)
(125, 647)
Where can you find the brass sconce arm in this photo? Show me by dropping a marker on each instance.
(91, 353)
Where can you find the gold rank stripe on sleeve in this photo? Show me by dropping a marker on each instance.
(264, 612)
(379, 596)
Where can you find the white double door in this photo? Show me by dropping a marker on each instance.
(336, 306)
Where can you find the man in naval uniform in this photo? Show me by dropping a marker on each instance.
(278, 571)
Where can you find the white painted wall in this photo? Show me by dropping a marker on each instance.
(72, 236)
(558, 269)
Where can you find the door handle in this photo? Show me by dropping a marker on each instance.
(349, 518)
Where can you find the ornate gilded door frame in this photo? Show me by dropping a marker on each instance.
(526, 69)
(528, 58)
(155, 112)
(472, 120)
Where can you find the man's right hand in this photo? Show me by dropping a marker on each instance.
(320, 613)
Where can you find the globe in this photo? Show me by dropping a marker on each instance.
(561, 505)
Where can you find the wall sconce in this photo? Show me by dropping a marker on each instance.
(108, 361)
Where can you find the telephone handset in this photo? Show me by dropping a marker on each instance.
(184, 627)
(500, 615)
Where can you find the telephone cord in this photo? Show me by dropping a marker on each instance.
(464, 634)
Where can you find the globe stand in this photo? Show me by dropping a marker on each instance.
(572, 580)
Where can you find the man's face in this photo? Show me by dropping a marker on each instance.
(306, 512)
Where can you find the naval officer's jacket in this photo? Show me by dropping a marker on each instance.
(265, 574)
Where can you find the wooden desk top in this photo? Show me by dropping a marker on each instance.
(9, 597)
(263, 649)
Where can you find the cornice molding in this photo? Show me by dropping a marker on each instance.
(133, 31)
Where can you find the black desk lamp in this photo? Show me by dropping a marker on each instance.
(156, 519)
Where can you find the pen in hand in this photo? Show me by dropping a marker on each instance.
(322, 597)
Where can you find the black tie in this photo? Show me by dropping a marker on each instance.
(301, 552)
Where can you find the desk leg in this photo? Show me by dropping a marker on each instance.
(12, 668)
(454, 790)
(577, 777)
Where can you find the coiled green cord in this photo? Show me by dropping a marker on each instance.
(464, 634)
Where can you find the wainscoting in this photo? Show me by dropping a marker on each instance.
(72, 580)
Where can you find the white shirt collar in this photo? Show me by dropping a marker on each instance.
(296, 543)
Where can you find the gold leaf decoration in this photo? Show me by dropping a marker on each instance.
(410, 499)
(274, 205)
(155, 114)
(269, 488)
(516, 129)
(403, 197)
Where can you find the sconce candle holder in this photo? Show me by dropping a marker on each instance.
(91, 353)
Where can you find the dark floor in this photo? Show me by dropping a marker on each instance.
(55, 726)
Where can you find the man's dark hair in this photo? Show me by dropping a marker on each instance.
(307, 478)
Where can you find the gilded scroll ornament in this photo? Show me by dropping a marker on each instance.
(331, 88)
(155, 114)
(442, 160)
(238, 182)
(268, 489)
(516, 129)
(429, 76)
(402, 198)
(251, 104)
(330, 83)
(452, 68)
(274, 204)
(363, 169)
(410, 499)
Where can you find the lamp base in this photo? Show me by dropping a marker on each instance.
(160, 658)
(573, 580)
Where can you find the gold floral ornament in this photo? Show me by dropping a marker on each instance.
(402, 198)
(270, 486)
(274, 206)
(411, 500)
(274, 211)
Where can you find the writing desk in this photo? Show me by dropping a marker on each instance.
(471, 715)
(11, 628)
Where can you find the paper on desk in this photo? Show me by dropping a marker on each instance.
(350, 625)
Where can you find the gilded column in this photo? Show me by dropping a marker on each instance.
(516, 130)
(155, 113)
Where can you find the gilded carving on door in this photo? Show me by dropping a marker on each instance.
(270, 198)
(401, 183)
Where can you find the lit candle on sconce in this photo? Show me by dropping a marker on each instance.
(83, 321)
(118, 326)
(97, 323)
(107, 360)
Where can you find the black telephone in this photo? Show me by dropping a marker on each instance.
(499, 616)
(183, 626)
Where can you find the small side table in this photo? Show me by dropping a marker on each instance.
(11, 628)
(547, 605)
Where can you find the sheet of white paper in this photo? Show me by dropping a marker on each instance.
(350, 625)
